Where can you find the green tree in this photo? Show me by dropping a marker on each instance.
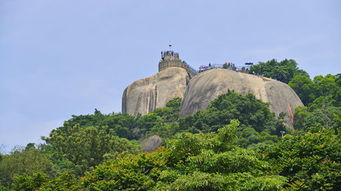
(67, 181)
(217, 182)
(322, 89)
(250, 111)
(146, 123)
(310, 161)
(27, 182)
(304, 88)
(123, 125)
(131, 172)
(327, 117)
(283, 71)
(87, 146)
(166, 120)
(20, 162)
(170, 113)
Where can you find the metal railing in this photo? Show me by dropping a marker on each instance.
(190, 69)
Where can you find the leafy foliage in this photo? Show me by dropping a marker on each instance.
(322, 97)
(171, 112)
(207, 163)
(23, 161)
(283, 71)
(322, 90)
(29, 182)
(122, 124)
(310, 161)
(132, 172)
(87, 147)
(247, 109)
(66, 181)
(327, 117)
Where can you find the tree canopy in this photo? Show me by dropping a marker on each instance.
(320, 90)
(282, 71)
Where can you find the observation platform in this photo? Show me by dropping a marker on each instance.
(171, 59)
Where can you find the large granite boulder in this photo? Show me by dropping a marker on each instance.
(144, 95)
(206, 86)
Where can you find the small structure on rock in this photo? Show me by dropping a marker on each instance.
(171, 59)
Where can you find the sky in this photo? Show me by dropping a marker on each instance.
(67, 57)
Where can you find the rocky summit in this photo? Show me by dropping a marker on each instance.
(177, 79)
(208, 85)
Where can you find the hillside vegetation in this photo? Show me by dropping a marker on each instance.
(235, 144)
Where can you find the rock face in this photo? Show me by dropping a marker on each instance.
(206, 86)
(144, 95)
(151, 143)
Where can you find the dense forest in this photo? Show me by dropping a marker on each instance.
(237, 143)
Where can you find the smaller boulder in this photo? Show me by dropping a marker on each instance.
(151, 143)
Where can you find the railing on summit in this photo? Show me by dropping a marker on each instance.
(169, 53)
(190, 69)
(227, 65)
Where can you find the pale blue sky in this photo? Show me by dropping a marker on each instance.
(64, 57)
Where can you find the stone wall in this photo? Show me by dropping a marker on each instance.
(172, 61)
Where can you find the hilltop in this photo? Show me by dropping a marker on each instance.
(177, 79)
